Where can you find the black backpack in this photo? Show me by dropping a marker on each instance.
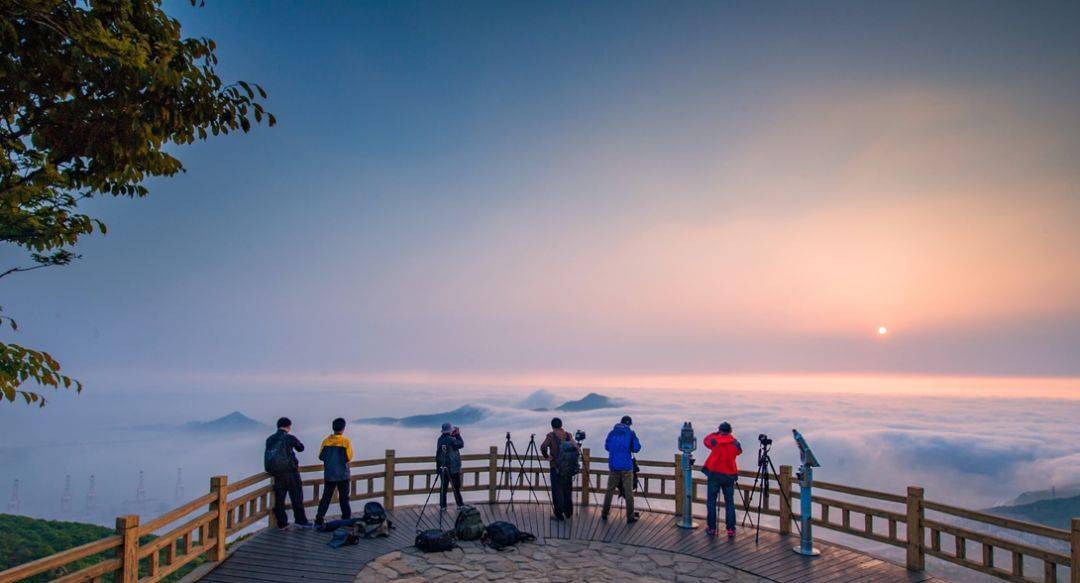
(500, 535)
(277, 459)
(434, 541)
(374, 523)
(566, 461)
(468, 525)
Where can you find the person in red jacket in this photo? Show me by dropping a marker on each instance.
(722, 472)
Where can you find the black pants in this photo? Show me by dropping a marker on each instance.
(446, 481)
(562, 494)
(289, 484)
(342, 489)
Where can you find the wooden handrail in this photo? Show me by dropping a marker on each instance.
(60, 559)
(1011, 523)
(217, 516)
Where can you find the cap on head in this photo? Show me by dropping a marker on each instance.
(725, 427)
(338, 425)
(284, 422)
(626, 420)
(556, 423)
(447, 427)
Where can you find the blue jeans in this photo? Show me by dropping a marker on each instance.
(718, 483)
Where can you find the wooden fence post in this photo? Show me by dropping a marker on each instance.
(388, 481)
(128, 552)
(1074, 568)
(916, 549)
(785, 499)
(219, 485)
(493, 474)
(680, 491)
(586, 484)
(273, 502)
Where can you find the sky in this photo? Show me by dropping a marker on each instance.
(600, 188)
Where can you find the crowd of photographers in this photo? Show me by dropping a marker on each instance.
(561, 450)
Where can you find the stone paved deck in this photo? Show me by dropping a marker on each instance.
(302, 555)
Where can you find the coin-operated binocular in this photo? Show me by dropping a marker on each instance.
(687, 445)
(806, 484)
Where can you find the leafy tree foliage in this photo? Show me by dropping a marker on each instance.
(91, 94)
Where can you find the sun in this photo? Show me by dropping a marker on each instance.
(882, 330)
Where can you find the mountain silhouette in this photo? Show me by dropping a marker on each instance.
(588, 403)
(235, 421)
(461, 416)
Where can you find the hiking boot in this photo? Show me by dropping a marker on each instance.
(305, 525)
(633, 518)
(710, 532)
(731, 533)
(558, 517)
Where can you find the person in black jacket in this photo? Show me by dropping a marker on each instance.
(281, 463)
(448, 461)
(335, 453)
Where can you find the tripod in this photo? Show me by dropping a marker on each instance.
(510, 455)
(440, 474)
(764, 465)
(635, 485)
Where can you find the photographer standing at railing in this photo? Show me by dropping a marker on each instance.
(448, 461)
(336, 453)
(279, 460)
(557, 444)
(621, 444)
(722, 473)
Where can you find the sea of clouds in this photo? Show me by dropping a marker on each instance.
(975, 452)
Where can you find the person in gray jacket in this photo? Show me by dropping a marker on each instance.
(448, 462)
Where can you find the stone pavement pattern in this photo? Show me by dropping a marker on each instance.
(553, 560)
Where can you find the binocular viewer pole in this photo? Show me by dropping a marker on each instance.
(687, 445)
(806, 486)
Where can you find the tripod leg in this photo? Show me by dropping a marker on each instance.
(435, 482)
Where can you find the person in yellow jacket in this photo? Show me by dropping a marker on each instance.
(335, 453)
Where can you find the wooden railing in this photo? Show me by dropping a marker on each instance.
(202, 527)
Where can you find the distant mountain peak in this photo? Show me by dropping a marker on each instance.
(235, 421)
(463, 415)
(589, 402)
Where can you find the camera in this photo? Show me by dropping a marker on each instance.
(764, 439)
(579, 436)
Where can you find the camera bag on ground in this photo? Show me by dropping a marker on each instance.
(468, 525)
(373, 524)
(435, 541)
(343, 537)
(500, 534)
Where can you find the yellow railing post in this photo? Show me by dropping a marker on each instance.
(680, 490)
(1074, 568)
(128, 552)
(585, 483)
(916, 549)
(219, 485)
(388, 481)
(493, 473)
(785, 499)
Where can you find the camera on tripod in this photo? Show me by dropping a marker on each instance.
(579, 436)
(764, 440)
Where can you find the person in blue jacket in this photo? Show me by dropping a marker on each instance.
(621, 444)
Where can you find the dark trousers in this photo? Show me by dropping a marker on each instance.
(721, 483)
(447, 480)
(329, 488)
(562, 497)
(289, 484)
